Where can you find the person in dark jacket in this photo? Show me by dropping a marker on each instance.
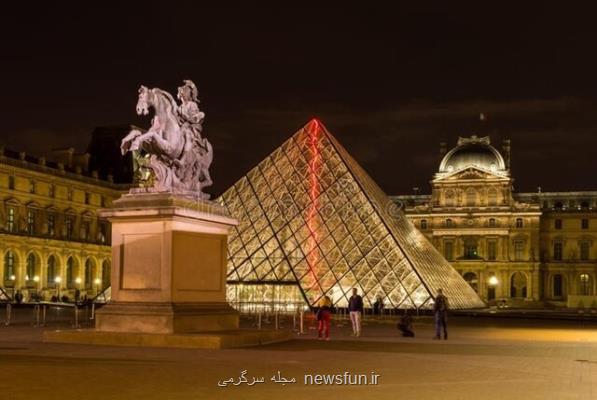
(355, 309)
(19, 297)
(406, 325)
(440, 313)
(323, 317)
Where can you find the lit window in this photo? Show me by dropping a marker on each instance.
(10, 220)
(470, 249)
(585, 285)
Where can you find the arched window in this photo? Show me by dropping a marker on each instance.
(492, 222)
(423, 224)
(9, 268)
(70, 273)
(586, 286)
(557, 286)
(51, 270)
(449, 223)
(492, 197)
(88, 274)
(30, 272)
(472, 280)
(518, 285)
(471, 197)
(105, 274)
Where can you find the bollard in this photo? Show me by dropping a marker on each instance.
(276, 319)
(294, 320)
(37, 312)
(259, 320)
(43, 314)
(302, 324)
(92, 311)
(76, 316)
(8, 314)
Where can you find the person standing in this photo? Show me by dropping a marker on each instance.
(440, 312)
(355, 309)
(406, 325)
(323, 317)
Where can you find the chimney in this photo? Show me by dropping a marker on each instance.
(506, 152)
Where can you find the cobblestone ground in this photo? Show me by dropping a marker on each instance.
(483, 359)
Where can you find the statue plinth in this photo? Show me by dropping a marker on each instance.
(168, 266)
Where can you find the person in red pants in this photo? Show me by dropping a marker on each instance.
(324, 313)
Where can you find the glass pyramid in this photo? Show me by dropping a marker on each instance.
(311, 218)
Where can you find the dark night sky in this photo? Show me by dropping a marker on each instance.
(389, 83)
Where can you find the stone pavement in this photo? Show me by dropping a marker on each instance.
(484, 359)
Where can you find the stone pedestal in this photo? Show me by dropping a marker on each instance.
(168, 266)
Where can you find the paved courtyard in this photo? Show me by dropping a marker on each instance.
(484, 359)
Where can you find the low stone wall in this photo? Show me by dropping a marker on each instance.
(577, 301)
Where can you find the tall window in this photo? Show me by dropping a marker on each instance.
(31, 186)
(84, 230)
(470, 249)
(88, 274)
(449, 250)
(31, 222)
(519, 222)
(557, 286)
(423, 224)
(449, 223)
(472, 280)
(70, 273)
(10, 220)
(471, 197)
(9, 266)
(585, 249)
(558, 224)
(584, 223)
(11, 182)
(51, 190)
(51, 224)
(492, 197)
(69, 227)
(30, 273)
(557, 251)
(51, 270)
(518, 250)
(69, 194)
(103, 232)
(87, 198)
(585, 285)
(491, 250)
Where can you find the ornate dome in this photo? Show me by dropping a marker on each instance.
(473, 152)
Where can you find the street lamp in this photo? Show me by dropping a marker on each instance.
(493, 280)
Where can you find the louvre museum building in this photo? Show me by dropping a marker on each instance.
(312, 222)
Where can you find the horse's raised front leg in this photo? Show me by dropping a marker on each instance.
(125, 144)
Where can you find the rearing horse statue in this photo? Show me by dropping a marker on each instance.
(176, 155)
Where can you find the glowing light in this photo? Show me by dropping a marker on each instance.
(98, 281)
(493, 280)
(77, 280)
(12, 277)
(314, 169)
(36, 278)
(57, 279)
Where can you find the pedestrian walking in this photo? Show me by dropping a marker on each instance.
(355, 309)
(440, 313)
(323, 317)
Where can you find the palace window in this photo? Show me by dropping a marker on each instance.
(423, 224)
(31, 222)
(69, 194)
(87, 198)
(51, 224)
(491, 222)
(491, 250)
(10, 219)
(30, 272)
(103, 232)
(102, 201)
(449, 250)
(88, 273)
(585, 250)
(449, 223)
(519, 222)
(518, 250)
(585, 285)
(584, 223)
(9, 266)
(70, 273)
(558, 224)
(51, 271)
(84, 230)
(31, 186)
(557, 286)
(69, 227)
(492, 197)
(51, 191)
(11, 182)
(557, 251)
(449, 198)
(471, 197)
(470, 249)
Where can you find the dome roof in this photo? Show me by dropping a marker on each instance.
(473, 152)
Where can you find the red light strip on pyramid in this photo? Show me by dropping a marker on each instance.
(314, 170)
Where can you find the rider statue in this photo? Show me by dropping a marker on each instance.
(177, 156)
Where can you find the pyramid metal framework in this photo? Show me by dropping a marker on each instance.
(310, 215)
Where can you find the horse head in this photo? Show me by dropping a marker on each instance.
(143, 102)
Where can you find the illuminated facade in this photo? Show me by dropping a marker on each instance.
(525, 249)
(312, 222)
(51, 239)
